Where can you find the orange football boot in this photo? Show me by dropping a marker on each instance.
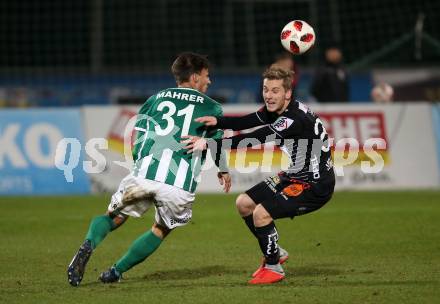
(267, 276)
(284, 256)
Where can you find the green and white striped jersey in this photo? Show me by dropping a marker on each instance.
(161, 122)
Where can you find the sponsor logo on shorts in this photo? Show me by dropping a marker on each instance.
(294, 189)
(272, 182)
(180, 221)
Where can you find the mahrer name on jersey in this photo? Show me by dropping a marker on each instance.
(162, 122)
(180, 95)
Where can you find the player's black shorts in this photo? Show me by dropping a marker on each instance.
(282, 197)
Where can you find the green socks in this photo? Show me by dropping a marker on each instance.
(98, 230)
(141, 248)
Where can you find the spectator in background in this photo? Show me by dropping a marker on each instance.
(285, 61)
(330, 83)
(382, 93)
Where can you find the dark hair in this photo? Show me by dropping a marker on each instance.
(278, 73)
(187, 64)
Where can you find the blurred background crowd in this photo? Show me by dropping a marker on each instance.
(77, 52)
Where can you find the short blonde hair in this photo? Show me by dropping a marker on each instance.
(277, 73)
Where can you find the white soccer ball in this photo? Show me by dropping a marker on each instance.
(297, 37)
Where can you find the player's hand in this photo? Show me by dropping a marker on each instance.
(209, 121)
(194, 143)
(225, 180)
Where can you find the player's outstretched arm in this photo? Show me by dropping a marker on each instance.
(195, 143)
(234, 123)
(209, 121)
(260, 136)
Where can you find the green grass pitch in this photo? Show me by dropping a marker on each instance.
(378, 247)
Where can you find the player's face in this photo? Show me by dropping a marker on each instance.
(275, 96)
(202, 81)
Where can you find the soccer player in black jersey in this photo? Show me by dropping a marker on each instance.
(304, 187)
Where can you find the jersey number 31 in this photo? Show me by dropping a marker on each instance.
(169, 109)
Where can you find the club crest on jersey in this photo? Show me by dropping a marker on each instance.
(282, 123)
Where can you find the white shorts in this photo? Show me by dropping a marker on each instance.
(173, 205)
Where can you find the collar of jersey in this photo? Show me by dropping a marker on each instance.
(184, 89)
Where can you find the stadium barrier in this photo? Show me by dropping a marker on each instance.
(436, 125)
(407, 156)
(374, 147)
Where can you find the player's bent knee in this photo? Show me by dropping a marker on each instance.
(160, 231)
(118, 221)
(117, 218)
(245, 205)
(261, 216)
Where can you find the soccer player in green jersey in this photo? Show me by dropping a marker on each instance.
(164, 175)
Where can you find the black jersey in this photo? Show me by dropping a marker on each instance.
(298, 131)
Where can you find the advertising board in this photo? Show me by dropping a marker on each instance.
(28, 145)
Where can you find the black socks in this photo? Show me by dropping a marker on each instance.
(249, 220)
(268, 240)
